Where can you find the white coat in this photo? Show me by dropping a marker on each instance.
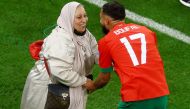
(70, 60)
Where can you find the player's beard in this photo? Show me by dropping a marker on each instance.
(104, 30)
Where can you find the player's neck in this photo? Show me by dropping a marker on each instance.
(115, 22)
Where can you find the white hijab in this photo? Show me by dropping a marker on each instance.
(66, 20)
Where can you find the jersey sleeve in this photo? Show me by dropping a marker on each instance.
(105, 60)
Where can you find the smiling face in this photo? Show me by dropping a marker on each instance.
(80, 19)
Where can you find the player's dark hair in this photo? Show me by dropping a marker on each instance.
(114, 9)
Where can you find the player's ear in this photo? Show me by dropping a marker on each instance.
(107, 21)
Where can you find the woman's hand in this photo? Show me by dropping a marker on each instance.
(89, 85)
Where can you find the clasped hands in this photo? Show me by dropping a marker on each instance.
(89, 85)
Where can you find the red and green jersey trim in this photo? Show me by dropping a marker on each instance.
(107, 70)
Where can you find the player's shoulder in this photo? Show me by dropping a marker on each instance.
(102, 40)
(143, 28)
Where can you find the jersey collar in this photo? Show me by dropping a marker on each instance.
(119, 24)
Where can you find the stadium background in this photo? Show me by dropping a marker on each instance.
(23, 21)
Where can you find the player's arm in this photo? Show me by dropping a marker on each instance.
(102, 80)
(105, 63)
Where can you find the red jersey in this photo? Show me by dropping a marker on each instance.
(131, 49)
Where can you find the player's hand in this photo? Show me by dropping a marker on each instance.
(89, 85)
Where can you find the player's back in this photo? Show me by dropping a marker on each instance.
(133, 45)
(137, 61)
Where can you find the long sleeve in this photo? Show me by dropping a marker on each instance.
(61, 71)
(60, 53)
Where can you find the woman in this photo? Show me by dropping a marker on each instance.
(71, 51)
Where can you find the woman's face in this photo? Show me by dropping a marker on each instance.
(80, 19)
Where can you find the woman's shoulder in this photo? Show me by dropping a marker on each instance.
(90, 36)
(57, 40)
(59, 36)
(59, 44)
(88, 33)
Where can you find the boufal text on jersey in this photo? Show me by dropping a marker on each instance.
(125, 29)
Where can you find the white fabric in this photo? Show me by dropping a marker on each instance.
(70, 59)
